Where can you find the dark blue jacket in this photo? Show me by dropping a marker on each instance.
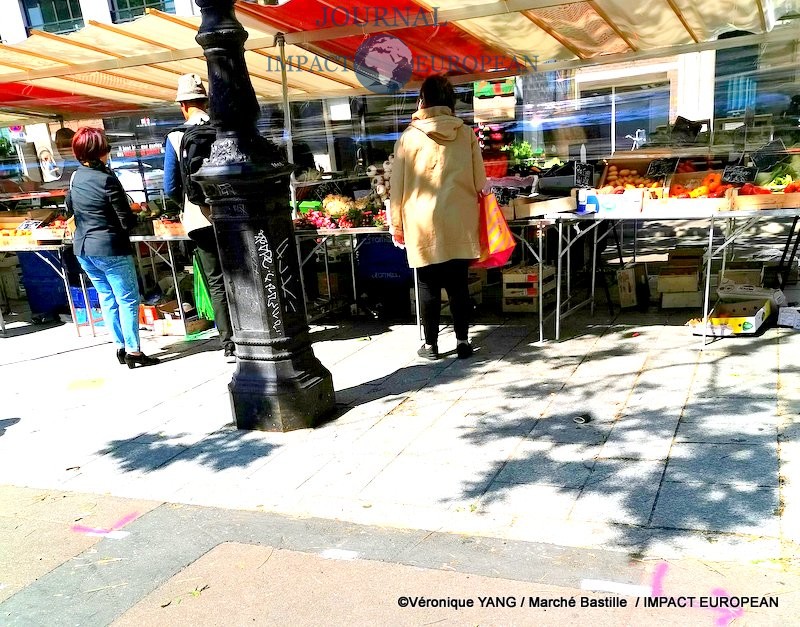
(103, 216)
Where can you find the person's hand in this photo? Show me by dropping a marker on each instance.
(397, 236)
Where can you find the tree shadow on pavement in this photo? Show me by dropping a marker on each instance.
(227, 448)
(657, 464)
(5, 423)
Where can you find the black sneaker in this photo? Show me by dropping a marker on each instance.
(429, 352)
(230, 354)
(464, 350)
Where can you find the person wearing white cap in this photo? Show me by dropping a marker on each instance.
(193, 101)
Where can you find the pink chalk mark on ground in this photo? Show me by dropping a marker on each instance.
(95, 531)
(657, 582)
(726, 614)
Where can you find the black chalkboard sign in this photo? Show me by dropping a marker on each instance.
(659, 168)
(739, 174)
(584, 174)
(770, 155)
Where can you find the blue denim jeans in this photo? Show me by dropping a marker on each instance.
(114, 278)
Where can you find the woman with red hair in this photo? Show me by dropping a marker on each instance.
(102, 220)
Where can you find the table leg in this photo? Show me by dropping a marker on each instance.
(354, 308)
(594, 270)
(558, 281)
(181, 313)
(540, 237)
(87, 305)
(707, 295)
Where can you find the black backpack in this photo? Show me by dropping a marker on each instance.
(195, 148)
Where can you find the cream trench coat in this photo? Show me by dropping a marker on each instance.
(436, 176)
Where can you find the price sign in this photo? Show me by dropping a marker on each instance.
(659, 168)
(739, 174)
(584, 174)
(770, 155)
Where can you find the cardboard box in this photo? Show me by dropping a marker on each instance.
(175, 326)
(335, 284)
(528, 207)
(741, 277)
(678, 279)
(524, 280)
(729, 291)
(627, 279)
(789, 317)
(682, 300)
(727, 319)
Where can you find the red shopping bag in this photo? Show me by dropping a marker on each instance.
(497, 242)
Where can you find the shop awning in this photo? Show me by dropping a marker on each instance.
(106, 69)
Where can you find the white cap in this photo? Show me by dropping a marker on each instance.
(190, 87)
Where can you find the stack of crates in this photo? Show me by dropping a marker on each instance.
(521, 288)
(44, 289)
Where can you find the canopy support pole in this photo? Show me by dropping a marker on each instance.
(280, 40)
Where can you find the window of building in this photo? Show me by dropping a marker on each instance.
(53, 16)
(127, 10)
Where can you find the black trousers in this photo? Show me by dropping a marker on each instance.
(453, 277)
(208, 255)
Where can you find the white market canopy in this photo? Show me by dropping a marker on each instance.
(113, 69)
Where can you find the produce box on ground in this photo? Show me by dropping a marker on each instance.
(682, 300)
(729, 291)
(727, 319)
(741, 277)
(789, 317)
(631, 280)
(524, 280)
(521, 288)
(678, 279)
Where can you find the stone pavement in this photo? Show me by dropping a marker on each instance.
(686, 454)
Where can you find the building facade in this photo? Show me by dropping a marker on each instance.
(20, 17)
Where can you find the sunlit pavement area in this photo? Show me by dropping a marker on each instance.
(684, 454)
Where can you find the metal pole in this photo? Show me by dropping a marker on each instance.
(707, 296)
(287, 117)
(558, 281)
(594, 269)
(539, 236)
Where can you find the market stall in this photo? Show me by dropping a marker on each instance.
(304, 49)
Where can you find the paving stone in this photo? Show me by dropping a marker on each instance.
(535, 462)
(619, 492)
(529, 500)
(753, 463)
(557, 426)
(729, 429)
(740, 508)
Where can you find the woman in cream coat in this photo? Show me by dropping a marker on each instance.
(436, 177)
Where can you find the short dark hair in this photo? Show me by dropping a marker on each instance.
(89, 144)
(64, 137)
(436, 91)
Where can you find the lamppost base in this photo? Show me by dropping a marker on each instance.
(261, 403)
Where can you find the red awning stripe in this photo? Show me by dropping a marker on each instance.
(454, 51)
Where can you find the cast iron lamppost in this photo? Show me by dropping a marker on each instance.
(279, 384)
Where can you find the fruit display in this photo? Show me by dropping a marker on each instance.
(619, 179)
(342, 212)
(711, 186)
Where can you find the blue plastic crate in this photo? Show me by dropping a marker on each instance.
(79, 302)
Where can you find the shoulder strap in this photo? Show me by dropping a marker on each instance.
(72, 178)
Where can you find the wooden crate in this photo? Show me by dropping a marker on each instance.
(757, 202)
(526, 304)
(791, 201)
(524, 281)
